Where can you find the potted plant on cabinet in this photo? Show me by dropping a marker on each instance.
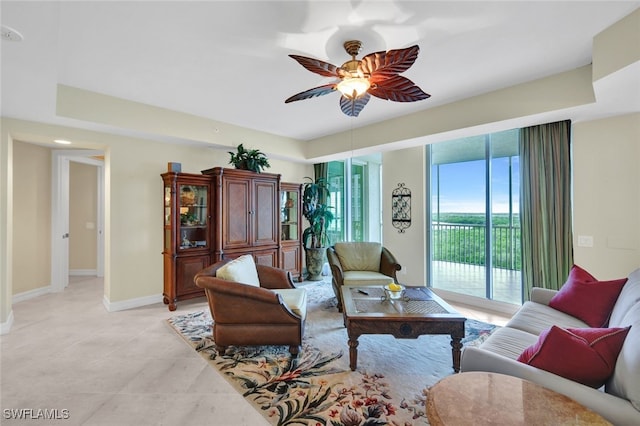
(315, 238)
(249, 159)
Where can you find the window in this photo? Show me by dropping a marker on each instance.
(356, 205)
(474, 216)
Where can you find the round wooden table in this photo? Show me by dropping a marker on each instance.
(481, 398)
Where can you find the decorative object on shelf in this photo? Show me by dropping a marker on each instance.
(315, 238)
(185, 240)
(174, 167)
(188, 219)
(290, 203)
(249, 159)
(401, 208)
(376, 74)
(187, 196)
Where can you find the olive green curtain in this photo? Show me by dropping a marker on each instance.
(545, 205)
(321, 171)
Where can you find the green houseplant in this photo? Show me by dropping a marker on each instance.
(315, 238)
(249, 159)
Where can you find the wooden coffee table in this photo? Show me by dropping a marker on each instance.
(481, 398)
(420, 311)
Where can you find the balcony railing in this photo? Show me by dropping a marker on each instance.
(465, 243)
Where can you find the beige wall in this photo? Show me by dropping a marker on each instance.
(31, 217)
(83, 217)
(406, 166)
(606, 203)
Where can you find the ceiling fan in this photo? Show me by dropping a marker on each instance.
(375, 74)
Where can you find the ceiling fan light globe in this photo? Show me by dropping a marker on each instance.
(354, 87)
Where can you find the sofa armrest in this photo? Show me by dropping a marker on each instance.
(388, 264)
(273, 278)
(617, 410)
(336, 268)
(542, 295)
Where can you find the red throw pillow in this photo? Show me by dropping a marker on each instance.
(584, 355)
(586, 298)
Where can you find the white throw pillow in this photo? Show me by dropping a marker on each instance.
(241, 270)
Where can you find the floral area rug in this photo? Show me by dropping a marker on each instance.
(318, 387)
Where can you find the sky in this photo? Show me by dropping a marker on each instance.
(462, 187)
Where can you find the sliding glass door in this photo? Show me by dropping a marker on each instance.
(355, 198)
(474, 220)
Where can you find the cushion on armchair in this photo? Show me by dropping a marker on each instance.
(295, 299)
(240, 270)
(359, 256)
(366, 277)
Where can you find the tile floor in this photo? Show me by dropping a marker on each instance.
(66, 352)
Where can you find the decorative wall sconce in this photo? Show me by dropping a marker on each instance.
(401, 207)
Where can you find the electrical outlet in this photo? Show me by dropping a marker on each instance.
(585, 241)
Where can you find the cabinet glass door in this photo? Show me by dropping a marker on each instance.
(289, 215)
(167, 217)
(194, 215)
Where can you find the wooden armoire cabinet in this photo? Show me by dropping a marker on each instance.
(247, 215)
(187, 234)
(291, 229)
(223, 214)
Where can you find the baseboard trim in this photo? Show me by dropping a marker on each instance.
(26, 295)
(5, 327)
(83, 272)
(138, 302)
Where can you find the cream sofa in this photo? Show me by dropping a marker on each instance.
(618, 400)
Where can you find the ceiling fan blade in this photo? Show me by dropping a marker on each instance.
(389, 63)
(396, 88)
(312, 93)
(352, 107)
(317, 66)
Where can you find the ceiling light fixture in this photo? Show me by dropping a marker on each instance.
(10, 34)
(354, 87)
(62, 142)
(376, 74)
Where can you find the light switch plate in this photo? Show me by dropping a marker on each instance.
(585, 241)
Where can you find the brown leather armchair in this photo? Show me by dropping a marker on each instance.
(360, 263)
(245, 314)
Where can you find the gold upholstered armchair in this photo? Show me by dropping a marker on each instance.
(253, 304)
(360, 263)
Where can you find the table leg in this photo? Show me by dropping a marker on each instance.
(353, 353)
(456, 350)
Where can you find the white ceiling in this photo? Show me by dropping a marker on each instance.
(227, 60)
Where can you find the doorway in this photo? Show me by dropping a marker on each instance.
(61, 174)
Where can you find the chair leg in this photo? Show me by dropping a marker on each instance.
(294, 350)
(221, 349)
